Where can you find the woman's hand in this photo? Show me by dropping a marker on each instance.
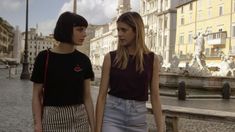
(37, 128)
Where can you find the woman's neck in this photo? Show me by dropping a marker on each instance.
(64, 48)
(131, 50)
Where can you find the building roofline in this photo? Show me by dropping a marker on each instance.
(171, 10)
(185, 3)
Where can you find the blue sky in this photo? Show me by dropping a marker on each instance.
(45, 12)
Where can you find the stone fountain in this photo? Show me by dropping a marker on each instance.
(196, 74)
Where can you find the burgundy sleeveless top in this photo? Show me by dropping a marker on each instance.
(129, 83)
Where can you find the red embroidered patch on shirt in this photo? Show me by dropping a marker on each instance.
(77, 68)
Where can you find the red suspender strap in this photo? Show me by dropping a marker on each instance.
(46, 66)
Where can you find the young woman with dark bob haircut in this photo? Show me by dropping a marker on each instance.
(127, 75)
(61, 81)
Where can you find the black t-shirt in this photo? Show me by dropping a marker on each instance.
(65, 77)
(128, 83)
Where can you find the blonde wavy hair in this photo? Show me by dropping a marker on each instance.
(134, 20)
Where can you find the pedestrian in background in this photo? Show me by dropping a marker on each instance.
(128, 72)
(61, 81)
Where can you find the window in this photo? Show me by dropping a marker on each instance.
(181, 52)
(220, 27)
(166, 4)
(209, 31)
(144, 9)
(165, 22)
(181, 39)
(165, 40)
(191, 6)
(182, 9)
(233, 30)
(199, 5)
(182, 21)
(160, 40)
(220, 10)
(209, 12)
(190, 17)
(199, 16)
(160, 23)
(209, 2)
(233, 50)
(207, 51)
(234, 6)
(190, 38)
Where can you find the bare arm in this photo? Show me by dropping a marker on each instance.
(102, 92)
(37, 106)
(155, 96)
(89, 104)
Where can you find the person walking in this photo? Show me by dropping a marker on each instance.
(61, 81)
(128, 74)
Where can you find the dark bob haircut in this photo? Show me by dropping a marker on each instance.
(64, 27)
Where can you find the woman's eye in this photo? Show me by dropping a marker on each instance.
(80, 29)
(122, 29)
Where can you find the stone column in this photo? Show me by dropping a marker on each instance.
(171, 124)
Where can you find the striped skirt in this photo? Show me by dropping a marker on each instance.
(65, 119)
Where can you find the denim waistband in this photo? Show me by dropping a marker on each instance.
(121, 100)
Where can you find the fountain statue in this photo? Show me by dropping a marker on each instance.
(195, 73)
(226, 67)
(198, 64)
(199, 57)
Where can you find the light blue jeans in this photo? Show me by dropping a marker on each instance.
(121, 115)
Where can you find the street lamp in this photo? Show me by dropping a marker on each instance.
(74, 6)
(25, 71)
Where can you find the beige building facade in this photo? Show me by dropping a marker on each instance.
(105, 38)
(36, 43)
(6, 38)
(214, 18)
(160, 25)
(85, 48)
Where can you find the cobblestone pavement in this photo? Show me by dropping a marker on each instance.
(16, 116)
(190, 125)
(15, 105)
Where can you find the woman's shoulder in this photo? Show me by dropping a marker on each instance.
(42, 53)
(112, 52)
(153, 54)
(150, 55)
(79, 53)
(82, 56)
(154, 57)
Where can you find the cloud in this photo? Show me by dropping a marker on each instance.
(10, 5)
(95, 11)
(47, 27)
(110, 8)
(135, 5)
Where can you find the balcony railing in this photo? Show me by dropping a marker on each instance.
(217, 38)
(185, 57)
(212, 55)
(232, 52)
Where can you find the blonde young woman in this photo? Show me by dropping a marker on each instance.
(127, 75)
(65, 104)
